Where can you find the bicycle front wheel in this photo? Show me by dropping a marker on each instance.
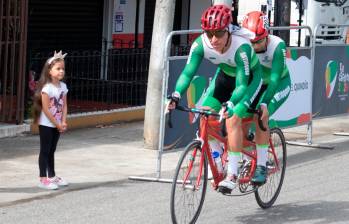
(189, 185)
(276, 166)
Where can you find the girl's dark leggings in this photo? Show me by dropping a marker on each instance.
(48, 142)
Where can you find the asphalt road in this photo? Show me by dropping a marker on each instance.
(315, 190)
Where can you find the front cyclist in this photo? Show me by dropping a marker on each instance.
(237, 80)
(271, 51)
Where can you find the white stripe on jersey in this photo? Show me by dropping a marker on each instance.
(244, 58)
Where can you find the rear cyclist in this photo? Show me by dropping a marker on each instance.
(271, 51)
(237, 80)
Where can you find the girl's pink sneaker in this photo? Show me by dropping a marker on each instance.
(59, 181)
(45, 183)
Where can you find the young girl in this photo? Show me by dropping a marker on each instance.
(50, 112)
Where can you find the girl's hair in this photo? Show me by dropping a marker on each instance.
(45, 78)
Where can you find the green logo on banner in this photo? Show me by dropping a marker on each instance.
(195, 94)
(343, 79)
(330, 77)
(195, 90)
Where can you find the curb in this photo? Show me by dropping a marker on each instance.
(13, 130)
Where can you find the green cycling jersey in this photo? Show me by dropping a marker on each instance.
(273, 62)
(238, 61)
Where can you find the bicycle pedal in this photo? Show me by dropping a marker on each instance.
(224, 190)
(258, 184)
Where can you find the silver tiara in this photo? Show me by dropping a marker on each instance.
(57, 55)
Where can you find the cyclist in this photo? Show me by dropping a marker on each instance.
(237, 80)
(271, 51)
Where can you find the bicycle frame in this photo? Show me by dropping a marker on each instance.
(190, 179)
(210, 127)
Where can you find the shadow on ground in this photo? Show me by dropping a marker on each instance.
(321, 212)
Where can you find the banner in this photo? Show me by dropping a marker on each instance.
(184, 124)
(295, 111)
(331, 81)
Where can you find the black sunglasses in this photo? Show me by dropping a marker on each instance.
(258, 41)
(216, 33)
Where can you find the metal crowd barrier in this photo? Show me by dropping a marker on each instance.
(330, 27)
(166, 67)
(309, 142)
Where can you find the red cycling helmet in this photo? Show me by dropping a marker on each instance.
(257, 22)
(216, 17)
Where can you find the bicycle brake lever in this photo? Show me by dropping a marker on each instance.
(221, 118)
(260, 122)
(222, 111)
(169, 119)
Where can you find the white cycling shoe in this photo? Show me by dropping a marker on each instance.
(209, 173)
(229, 183)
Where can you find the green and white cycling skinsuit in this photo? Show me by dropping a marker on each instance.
(276, 78)
(237, 79)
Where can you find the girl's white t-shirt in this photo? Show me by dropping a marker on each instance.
(56, 95)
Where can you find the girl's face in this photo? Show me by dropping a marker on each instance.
(57, 71)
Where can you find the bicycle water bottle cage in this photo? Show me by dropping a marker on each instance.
(250, 136)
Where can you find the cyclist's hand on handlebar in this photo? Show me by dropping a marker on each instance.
(227, 110)
(173, 100)
(265, 112)
(171, 105)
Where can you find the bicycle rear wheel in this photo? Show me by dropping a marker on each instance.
(188, 189)
(267, 193)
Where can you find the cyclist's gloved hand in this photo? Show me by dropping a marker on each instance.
(174, 100)
(265, 112)
(229, 110)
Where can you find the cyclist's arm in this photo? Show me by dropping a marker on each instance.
(278, 65)
(242, 60)
(194, 60)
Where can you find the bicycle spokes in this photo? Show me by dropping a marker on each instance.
(187, 197)
(193, 162)
(190, 166)
(276, 165)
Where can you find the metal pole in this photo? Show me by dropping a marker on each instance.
(282, 18)
(163, 21)
(270, 6)
(300, 21)
(235, 12)
(136, 24)
(162, 108)
(312, 55)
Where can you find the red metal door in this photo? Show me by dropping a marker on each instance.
(13, 35)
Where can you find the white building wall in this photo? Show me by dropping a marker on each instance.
(126, 12)
(248, 6)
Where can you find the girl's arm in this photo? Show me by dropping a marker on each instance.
(45, 108)
(65, 112)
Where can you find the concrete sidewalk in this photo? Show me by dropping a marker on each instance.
(93, 157)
